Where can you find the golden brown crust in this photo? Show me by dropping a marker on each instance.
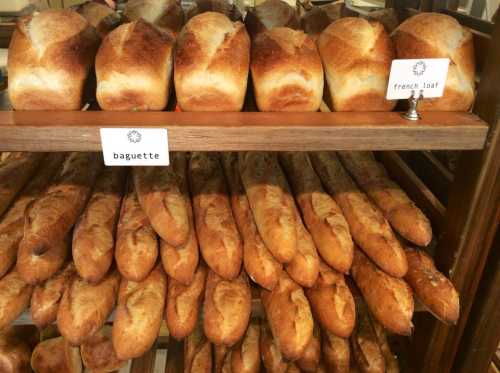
(390, 299)
(336, 352)
(183, 304)
(368, 227)
(332, 303)
(136, 247)
(15, 351)
(259, 263)
(94, 233)
(289, 317)
(245, 356)
(271, 14)
(220, 242)
(269, 197)
(85, 307)
(15, 295)
(391, 360)
(139, 314)
(98, 354)
(406, 218)
(197, 352)
(431, 287)
(51, 356)
(164, 14)
(309, 361)
(227, 308)
(272, 358)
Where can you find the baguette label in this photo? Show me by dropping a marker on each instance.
(426, 77)
(135, 146)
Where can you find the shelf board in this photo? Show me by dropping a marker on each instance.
(79, 131)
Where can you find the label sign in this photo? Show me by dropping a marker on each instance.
(426, 76)
(135, 146)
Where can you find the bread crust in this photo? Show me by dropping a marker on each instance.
(336, 352)
(221, 353)
(272, 358)
(391, 360)
(98, 354)
(271, 14)
(309, 361)
(15, 295)
(15, 352)
(52, 355)
(197, 352)
(245, 356)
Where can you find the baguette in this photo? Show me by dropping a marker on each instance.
(258, 261)
(220, 241)
(369, 229)
(431, 287)
(15, 352)
(136, 247)
(309, 361)
(271, 355)
(183, 304)
(139, 314)
(391, 361)
(49, 218)
(390, 299)
(245, 356)
(56, 355)
(227, 308)
(271, 203)
(46, 297)
(98, 354)
(164, 202)
(94, 233)
(336, 352)
(15, 172)
(289, 317)
(15, 295)
(220, 355)
(322, 216)
(12, 223)
(332, 303)
(85, 307)
(406, 218)
(180, 262)
(197, 353)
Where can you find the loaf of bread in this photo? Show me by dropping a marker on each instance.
(12, 223)
(56, 355)
(180, 262)
(406, 218)
(220, 6)
(227, 308)
(286, 71)
(272, 358)
(332, 303)
(369, 229)
(50, 217)
(94, 233)
(134, 68)
(139, 314)
(357, 56)
(390, 299)
(309, 361)
(183, 304)
(336, 352)
(289, 317)
(98, 354)
(431, 287)
(197, 352)
(271, 14)
(100, 16)
(211, 64)
(164, 14)
(245, 356)
(316, 19)
(15, 351)
(220, 242)
(15, 295)
(46, 297)
(269, 197)
(435, 35)
(391, 360)
(258, 261)
(322, 216)
(50, 55)
(85, 307)
(221, 353)
(136, 247)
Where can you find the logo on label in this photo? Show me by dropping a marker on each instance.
(134, 136)
(419, 68)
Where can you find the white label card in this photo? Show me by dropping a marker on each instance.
(135, 146)
(426, 76)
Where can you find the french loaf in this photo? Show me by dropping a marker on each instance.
(289, 316)
(406, 218)
(322, 216)
(56, 355)
(336, 352)
(100, 16)
(368, 227)
(139, 314)
(220, 242)
(227, 308)
(15, 352)
(271, 14)
(286, 70)
(435, 35)
(98, 354)
(245, 356)
(197, 352)
(134, 67)
(49, 218)
(184, 303)
(85, 307)
(390, 299)
(15, 295)
(309, 361)
(391, 360)
(272, 358)
(164, 14)
(269, 198)
(211, 64)
(136, 247)
(357, 56)
(50, 55)
(316, 19)
(94, 233)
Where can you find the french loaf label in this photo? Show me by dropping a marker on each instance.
(135, 146)
(425, 76)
